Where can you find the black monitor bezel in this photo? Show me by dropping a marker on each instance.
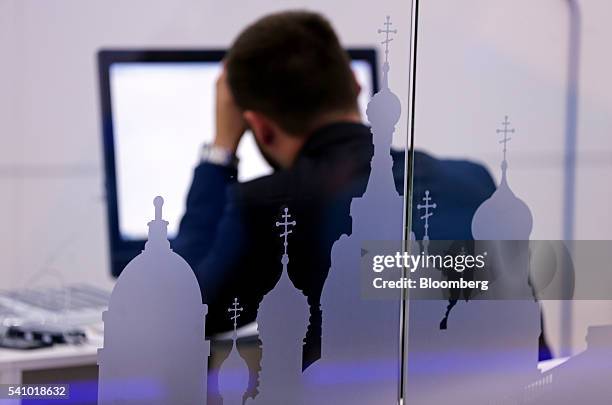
(122, 251)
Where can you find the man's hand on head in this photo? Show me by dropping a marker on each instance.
(230, 123)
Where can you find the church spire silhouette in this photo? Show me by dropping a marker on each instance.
(158, 228)
(503, 216)
(358, 332)
(282, 322)
(383, 112)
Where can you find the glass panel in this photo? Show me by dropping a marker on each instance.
(508, 127)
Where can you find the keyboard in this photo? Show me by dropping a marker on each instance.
(73, 305)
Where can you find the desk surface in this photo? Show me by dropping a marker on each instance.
(16, 361)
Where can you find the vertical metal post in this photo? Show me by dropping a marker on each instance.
(408, 194)
(569, 186)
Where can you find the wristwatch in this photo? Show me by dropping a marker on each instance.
(218, 155)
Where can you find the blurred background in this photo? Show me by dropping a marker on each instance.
(478, 61)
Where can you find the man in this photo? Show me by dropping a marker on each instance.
(287, 78)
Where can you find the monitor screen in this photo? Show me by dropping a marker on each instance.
(162, 114)
(159, 110)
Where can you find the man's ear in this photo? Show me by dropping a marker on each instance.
(262, 127)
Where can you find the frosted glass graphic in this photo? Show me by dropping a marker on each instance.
(154, 350)
(360, 348)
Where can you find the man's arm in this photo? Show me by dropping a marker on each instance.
(206, 201)
(200, 241)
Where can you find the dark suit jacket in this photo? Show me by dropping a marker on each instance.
(228, 234)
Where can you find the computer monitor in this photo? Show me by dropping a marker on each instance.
(157, 111)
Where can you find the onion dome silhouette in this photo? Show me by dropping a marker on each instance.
(282, 322)
(383, 112)
(283, 312)
(359, 334)
(154, 328)
(503, 216)
(384, 109)
(381, 196)
(376, 216)
(283, 318)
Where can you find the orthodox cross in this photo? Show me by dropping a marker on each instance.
(506, 130)
(286, 231)
(235, 309)
(427, 206)
(387, 40)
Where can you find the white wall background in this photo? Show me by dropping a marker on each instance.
(479, 60)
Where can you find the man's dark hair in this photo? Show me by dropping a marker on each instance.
(291, 67)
